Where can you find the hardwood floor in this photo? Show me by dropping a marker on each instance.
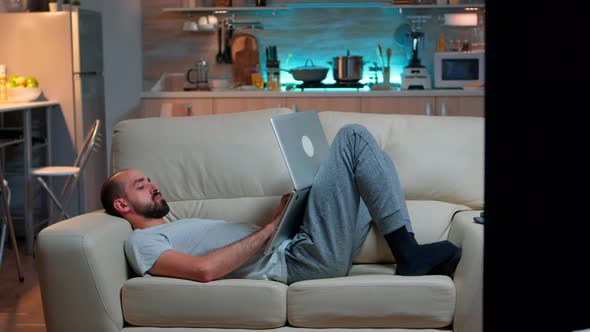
(21, 309)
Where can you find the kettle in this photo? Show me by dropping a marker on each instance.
(200, 69)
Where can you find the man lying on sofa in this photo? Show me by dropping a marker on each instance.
(334, 227)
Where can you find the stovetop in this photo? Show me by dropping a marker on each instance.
(337, 85)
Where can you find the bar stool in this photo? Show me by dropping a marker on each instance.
(7, 221)
(71, 173)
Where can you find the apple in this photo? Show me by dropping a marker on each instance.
(12, 78)
(31, 82)
(10, 84)
(20, 81)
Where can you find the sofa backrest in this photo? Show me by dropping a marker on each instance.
(230, 167)
(226, 166)
(439, 158)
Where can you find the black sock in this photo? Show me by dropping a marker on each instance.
(448, 267)
(413, 237)
(414, 259)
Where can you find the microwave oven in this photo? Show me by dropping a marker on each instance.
(459, 69)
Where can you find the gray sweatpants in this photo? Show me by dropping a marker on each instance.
(356, 183)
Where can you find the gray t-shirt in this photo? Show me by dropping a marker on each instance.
(198, 237)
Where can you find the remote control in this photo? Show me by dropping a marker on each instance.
(479, 219)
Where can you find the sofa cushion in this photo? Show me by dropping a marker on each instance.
(161, 302)
(372, 300)
(438, 158)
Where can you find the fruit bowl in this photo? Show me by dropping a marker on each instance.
(23, 94)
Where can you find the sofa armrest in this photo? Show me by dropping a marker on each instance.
(82, 267)
(469, 274)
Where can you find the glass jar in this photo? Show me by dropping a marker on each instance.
(273, 76)
(273, 79)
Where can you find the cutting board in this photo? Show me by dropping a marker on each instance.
(244, 55)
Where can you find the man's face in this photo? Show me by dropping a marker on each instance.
(144, 197)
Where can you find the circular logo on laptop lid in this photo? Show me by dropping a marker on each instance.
(307, 146)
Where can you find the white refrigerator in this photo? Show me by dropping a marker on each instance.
(63, 51)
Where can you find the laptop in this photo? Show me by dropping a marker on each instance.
(304, 146)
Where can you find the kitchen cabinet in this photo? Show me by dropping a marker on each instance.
(234, 105)
(219, 103)
(343, 104)
(459, 106)
(398, 105)
(171, 107)
(439, 105)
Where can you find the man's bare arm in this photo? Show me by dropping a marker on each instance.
(218, 263)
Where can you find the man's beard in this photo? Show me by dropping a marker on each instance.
(155, 210)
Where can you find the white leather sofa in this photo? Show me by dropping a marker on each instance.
(230, 167)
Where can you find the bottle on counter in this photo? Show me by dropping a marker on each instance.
(256, 77)
(440, 46)
(3, 95)
(273, 76)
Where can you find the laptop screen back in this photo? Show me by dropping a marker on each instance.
(303, 144)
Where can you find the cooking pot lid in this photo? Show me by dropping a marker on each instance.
(309, 66)
(349, 56)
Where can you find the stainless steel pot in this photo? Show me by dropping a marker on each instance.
(348, 68)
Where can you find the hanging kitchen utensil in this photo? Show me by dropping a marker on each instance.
(219, 56)
(228, 28)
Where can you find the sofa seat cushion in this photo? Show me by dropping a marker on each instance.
(231, 303)
(371, 296)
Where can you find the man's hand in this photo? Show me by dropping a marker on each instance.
(278, 213)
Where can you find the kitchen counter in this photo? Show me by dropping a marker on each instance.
(311, 93)
(468, 102)
(8, 106)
